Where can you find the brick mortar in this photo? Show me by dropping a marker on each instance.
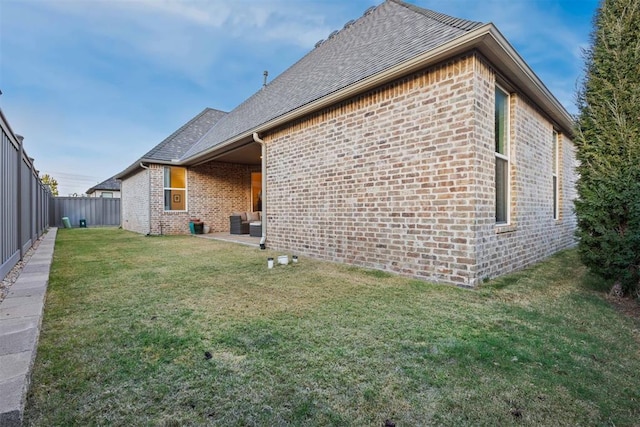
(134, 203)
(369, 186)
(402, 179)
(214, 191)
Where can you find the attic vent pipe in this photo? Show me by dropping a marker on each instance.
(368, 11)
(265, 74)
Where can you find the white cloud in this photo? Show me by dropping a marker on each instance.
(210, 13)
(188, 37)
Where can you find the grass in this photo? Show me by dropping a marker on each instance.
(185, 331)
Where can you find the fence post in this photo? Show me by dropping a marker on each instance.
(20, 138)
(32, 218)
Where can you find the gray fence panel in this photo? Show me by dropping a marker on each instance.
(95, 210)
(9, 249)
(24, 200)
(25, 212)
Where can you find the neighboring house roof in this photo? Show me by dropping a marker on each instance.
(385, 36)
(178, 143)
(111, 184)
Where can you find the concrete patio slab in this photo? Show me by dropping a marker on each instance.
(243, 239)
(40, 276)
(17, 301)
(14, 365)
(36, 268)
(24, 310)
(26, 292)
(28, 284)
(9, 326)
(18, 341)
(12, 403)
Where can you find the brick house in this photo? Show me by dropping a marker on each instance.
(109, 189)
(409, 141)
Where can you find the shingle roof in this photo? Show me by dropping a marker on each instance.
(111, 184)
(176, 144)
(384, 37)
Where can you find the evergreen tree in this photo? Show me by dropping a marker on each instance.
(608, 143)
(51, 182)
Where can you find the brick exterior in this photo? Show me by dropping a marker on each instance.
(533, 234)
(402, 179)
(214, 191)
(134, 206)
(218, 189)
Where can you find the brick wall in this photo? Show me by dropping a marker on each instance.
(218, 189)
(383, 180)
(214, 191)
(402, 179)
(533, 234)
(135, 202)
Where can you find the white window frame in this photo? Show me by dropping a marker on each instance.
(555, 175)
(106, 194)
(505, 157)
(185, 189)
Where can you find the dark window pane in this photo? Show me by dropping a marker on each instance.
(501, 121)
(167, 200)
(501, 190)
(555, 197)
(167, 177)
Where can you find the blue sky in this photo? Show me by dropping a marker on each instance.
(93, 85)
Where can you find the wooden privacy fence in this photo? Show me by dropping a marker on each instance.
(96, 211)
(24, 200)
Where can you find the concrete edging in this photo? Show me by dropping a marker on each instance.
(20, 319)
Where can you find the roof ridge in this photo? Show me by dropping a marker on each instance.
(206, 110)
(212, 109)
(363, 47)
(104, 185)
(345, 27)
(182, 128)
(459, 23)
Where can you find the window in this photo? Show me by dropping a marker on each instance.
(256, 191)
(175, 188)
(106, 195)
(554, 174)
(502, 156)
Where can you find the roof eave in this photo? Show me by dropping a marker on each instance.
(487, 39)
(495, 47)
(135, 167)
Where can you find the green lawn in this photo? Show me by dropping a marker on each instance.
(185, 331)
